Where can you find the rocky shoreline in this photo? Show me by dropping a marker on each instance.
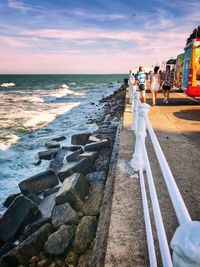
(54, 220)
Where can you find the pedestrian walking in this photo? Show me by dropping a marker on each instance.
(155, 84)
(141, 80)
(167, 81)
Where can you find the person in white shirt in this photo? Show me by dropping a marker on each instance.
(155, 84)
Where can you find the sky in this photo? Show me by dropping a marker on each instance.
(92, 36)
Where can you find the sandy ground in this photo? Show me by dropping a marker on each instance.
(177, 126)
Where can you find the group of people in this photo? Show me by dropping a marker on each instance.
(155, 81)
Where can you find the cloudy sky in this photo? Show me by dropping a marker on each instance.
(92, 36)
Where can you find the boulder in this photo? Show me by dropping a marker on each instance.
(58, 242)
(6, 248)
(93, 139)
(74, 191)
(16, 217)
(51, 191)
(96, 177)
(85, 259)
(73, 156)
(92, 156)
(93, 202)
(59, 139)
(64, 214)
(38, 183)
(55, 166)
(47, 205)
(61, 155)
(71, 148)
(48, 154)
(52, 144)
(83, 166)
(37, 200)
(10, 199)
(97, 145)
(102, 163)
(80, 139)
(71, 259)
(30, 247)
(85, 233)
(33, 227)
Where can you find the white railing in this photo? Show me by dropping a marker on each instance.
(186, 240)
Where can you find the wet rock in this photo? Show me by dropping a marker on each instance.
(6, 248)
(74, 191)
(52, 144)
(80, 139)
(37, 200)
(59, 139)
(32, 228)
(38, 183)
(85, 233)
(71, 259)
(16, 217)
(48, 154)
(92, 139)
(92, 156)
(55, 166)
(93, 203)
(84, 260)
(96, 177)
(102, 163)
(97, 145)
(51, 191)
(71, 148)
(10, 199)
(30, 247)
(47, 205)
(58, 242)
(64, 214)
(83, 166)
(61, 155)
(73, 156)
(44, 263)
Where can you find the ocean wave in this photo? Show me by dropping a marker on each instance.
(72, 84)
(7, 85)
(64, 86)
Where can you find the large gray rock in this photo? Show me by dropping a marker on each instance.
(51, 191)
(10, 199)
(52, 144)
(16, 217)
(93, 138)
(47, 205)
(85, 259)
(93, 202)
(59, 242)
(6, 248)
(74, 191)
(92, 156)
(85, 233)
(102, 163)
(80, 139)
(30, 247)
(71, 148)
(55, 166)
(73, 156)
(64, 214)
(83, 166)
(37, 200)
(48, 154)
(96, 146)
(38, 183)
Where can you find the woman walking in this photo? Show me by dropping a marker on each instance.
(155, 84)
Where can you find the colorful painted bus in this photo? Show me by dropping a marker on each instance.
(191, 68)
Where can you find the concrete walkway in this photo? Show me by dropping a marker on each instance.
(177, 126)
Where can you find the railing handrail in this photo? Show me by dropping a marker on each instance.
(186, 248)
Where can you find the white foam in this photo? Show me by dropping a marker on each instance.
(7, 84)
(72, 84)
(64, 86)
(12, 139)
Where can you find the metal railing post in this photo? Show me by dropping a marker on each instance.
(186, 245)
(136, 101)
(137, 162)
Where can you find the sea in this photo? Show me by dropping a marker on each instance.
(36, 108)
